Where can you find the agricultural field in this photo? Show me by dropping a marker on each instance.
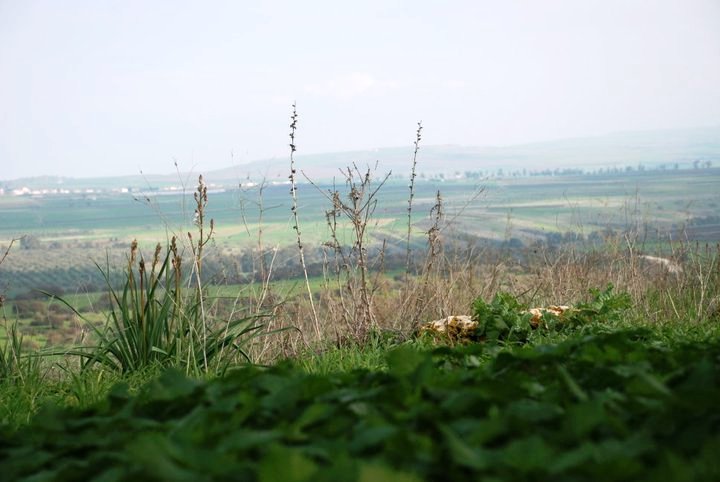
(66, 235)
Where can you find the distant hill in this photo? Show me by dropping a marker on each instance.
(619, 149)
(651, 148)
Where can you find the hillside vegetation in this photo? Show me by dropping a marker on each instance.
(591, 349)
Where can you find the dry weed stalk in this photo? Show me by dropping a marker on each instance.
(2, 260)
(7, 250)
(262, 269)
(296, 220)
(201, 200)
(436, 291)
(413, 174)
(176, 262)
(413, 305)
(433, 234)
(355, 289)
(260, 247)
(354, 265)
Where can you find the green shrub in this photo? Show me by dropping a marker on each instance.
(614, 406)
(506, 319)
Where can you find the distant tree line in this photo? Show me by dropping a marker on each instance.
(555, 172)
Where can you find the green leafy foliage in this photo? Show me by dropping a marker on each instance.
(506, 319)
(606, 406)
(502, 319)
(605, 306)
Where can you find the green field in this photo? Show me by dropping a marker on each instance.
(572, 201)
(67, 234)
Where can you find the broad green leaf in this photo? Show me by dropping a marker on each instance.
(528, 455)
(572, 385)
(462, 453)
(282, 464)
(369, 436)
(372, 472)
(171, 385)
(404, 360)
(533, 411)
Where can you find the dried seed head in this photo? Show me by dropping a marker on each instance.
(133, 250)
(354, 194)
(156, 256)
(177, 263)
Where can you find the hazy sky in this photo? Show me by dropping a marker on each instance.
(97, 87)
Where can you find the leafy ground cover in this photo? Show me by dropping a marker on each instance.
(603, 404)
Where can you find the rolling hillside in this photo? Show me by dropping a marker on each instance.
(650, 148)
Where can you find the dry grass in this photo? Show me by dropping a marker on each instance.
(449, 283)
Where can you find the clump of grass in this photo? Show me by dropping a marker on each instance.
(11, 353)
(15, 365)
(22, 379)
(153, 322)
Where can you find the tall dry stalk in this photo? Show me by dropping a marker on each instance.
(201, 200)
(260, 247)
(296, 220)
(413, 173)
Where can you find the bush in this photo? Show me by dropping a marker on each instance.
(30, 309)
(505, 319)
